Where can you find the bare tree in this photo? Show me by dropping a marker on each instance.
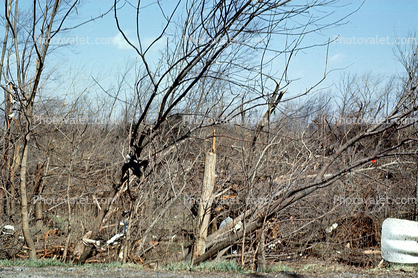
(210, 49)
(29, 59)
(390, 141)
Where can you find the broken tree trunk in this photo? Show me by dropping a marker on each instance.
(205, 205)
(97, 224)
(227, 241)
(261, 253)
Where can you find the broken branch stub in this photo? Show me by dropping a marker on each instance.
(205, 204)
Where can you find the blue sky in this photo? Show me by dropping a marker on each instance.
(367, 42)
(106, 54)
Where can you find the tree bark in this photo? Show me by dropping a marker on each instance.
(228, 241)
(24, 199)
(8, 109)
(205, 205)
(6, 162)
(13, 170)
(261, 253)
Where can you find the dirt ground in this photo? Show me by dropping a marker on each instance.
(20, 272)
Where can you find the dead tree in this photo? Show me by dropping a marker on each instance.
(210, 50)
(29, 58)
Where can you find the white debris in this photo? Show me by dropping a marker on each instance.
(237, 227)
(331, 228)
(121, 253)
(228, 220)
(86, 241)
(273, 245)
(225, 222)
(114, 238)
(9, 229)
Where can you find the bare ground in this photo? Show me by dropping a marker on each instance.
(20, 272)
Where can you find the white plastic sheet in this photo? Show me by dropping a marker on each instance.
(399, 242)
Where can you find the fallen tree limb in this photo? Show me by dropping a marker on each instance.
(276, 206)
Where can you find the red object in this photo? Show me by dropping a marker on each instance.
(374, 161)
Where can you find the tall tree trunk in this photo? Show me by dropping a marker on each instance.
(261, 253)
(13, 171)
(6, 161)
(8, 110)
(205, 206)
(24, 198)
